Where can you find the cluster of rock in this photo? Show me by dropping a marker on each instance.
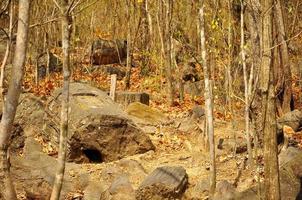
(100, 131)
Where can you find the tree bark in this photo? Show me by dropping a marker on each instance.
(168, 50)
(66, 34)
(147, 31)
(254, 28)
(284, 59)
(246, 89)
(129, 46)
(11, 102)
(208, 100)
(8, 48)
(271, 169)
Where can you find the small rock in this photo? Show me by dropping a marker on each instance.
(197, 112)
(225, 191)
(292, 119)
(164, 182)
(202, 186)
(94, 191)
(227, 145)
(121, 185)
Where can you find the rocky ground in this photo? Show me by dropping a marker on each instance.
(101, 168)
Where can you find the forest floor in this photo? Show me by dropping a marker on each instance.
(174, 147)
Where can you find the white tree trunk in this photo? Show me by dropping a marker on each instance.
(10, 105)
(208, 100)
(8, 48)
(246, 89)
(66, 34)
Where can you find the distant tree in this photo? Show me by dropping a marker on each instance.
(11, 100)
(167, 14)
(147, 37)
(129, 45)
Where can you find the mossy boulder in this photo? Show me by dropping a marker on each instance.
(144, 114)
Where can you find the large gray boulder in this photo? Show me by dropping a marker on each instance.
(100, 131)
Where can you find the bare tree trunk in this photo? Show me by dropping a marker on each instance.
(285, 63)
(161, 38)
(228, 81)
(254, 28)
(8, 48)
(147, 31)
(271, 168)
(10, 105)
(228, 75)
(208, 100)
(246, 89)
(168, 51)
(149, 20)
(66, 34)
(129, 46)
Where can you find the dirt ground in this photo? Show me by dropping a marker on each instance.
(173, 148)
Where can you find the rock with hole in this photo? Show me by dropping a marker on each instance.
(100, 131)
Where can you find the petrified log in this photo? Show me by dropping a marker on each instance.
(163, 183)
(125, 97)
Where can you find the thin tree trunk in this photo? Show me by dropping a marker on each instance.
(285, 64)
(271, 168)
(168, 51)
(66, 34)
(129, 46)
(255, 103)
(147, 37)
(10, 105)
(228, 84)
(150, 27)
(246, 89)
(228, 74)
(161, 40)
(208, 100)
(8, 48)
